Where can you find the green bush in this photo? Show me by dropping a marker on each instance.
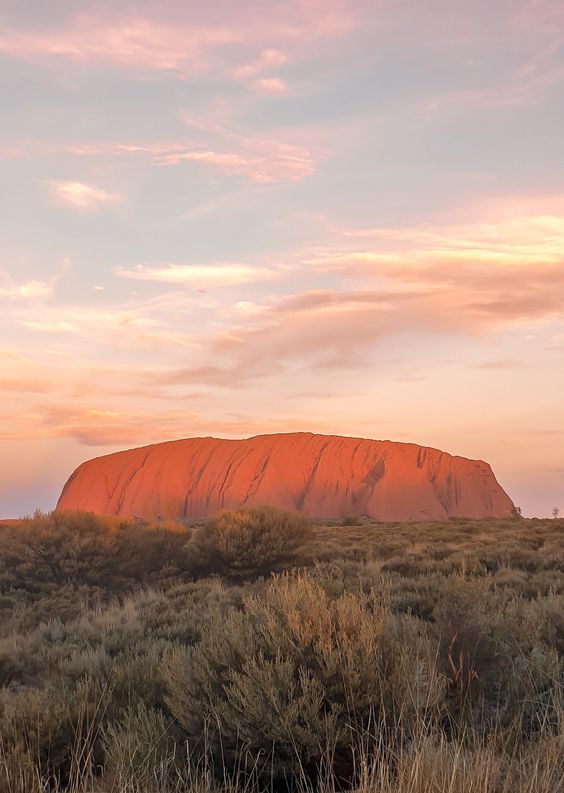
(246, 543)
(56, 565)
(296, 673)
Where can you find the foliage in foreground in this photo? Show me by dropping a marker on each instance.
(244, 543)
(397, 659)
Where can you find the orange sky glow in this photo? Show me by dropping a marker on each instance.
(340, 217)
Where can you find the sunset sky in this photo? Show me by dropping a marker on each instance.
(230, 218)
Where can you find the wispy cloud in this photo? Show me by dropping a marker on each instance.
(266, 159)
(271, 85)
(267, 60)
(480, 278)
(125, 41)
(492, 272)
(180, 44)
(504, 231)
(26, 290)
(82, 197)
(263, 161)
(57, 326)
(406, 280)
(32, 290)
(202, 276)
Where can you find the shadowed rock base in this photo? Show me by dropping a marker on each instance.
(320, 476)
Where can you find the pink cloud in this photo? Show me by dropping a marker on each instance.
(473, 279)
(498, 232)
(502, 269)
(187, 40)
(130, 41)
(268, 59)
(262, 161)
(259, 159)
(271, 85)
(82, 197)
(498, 271)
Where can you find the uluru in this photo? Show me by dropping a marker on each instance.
(321, 476)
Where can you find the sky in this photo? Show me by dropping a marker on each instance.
(339, 216)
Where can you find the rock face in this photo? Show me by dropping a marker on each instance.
(318, 475)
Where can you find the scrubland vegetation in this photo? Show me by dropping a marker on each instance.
(259, 652)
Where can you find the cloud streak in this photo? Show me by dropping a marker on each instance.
(82, 197)
(268, 59)
(188, 44)
(198, 276)
(258, 159)
(128, 41)
(273, 86)
(263, 161)
(27, 290)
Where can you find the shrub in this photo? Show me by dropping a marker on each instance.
(53, 732)
(142, 752)
(297, 673)
(498, 656)
(248, 542)
(56, 563)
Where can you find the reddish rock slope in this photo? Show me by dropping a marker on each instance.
(318, 475)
